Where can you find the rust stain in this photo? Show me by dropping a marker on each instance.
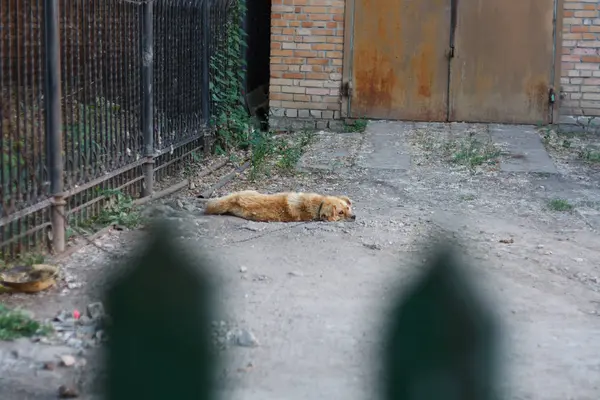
(422, 67)
(537, 94)
(423, 61)
(375, 84)
(381, 28)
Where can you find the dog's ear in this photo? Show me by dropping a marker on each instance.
(334, 211)
(346, 199)
(328, 212)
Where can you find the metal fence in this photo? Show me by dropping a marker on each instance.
(97, 94)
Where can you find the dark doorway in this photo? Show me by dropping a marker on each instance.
(257, 26)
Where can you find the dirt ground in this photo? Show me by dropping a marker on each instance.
(314, 294)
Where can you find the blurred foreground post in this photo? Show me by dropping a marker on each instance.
(159, 340)
(441, 341)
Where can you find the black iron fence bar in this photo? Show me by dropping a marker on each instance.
(147, 95)
(102, 197)
(53, 122)
(68, 193)
(15, 215)
(28, 232)
(205, 93)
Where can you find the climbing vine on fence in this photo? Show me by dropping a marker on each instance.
(230, 117)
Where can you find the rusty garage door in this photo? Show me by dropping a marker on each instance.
(399, 67)
(503, 60)
(452, 60)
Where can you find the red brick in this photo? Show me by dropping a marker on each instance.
(320, 17)
(317, 75)
(305, 53)
(323, 46)
(580, 28)
(317, 10)
(282, 53)
(281, 96)
(586, 14)
(292, 60)
(293, 75)
(320, 61)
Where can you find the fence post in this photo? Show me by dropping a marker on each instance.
(53, 122)
(206, 61)
(147, 94)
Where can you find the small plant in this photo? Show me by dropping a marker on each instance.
(560, 205)
(472, 152)
(289, 157)
(120, 210)
(196, 156)
(233, 124)
(286, 152)
(290, 154)
(15, 324)
(263, 146)
(592, 156)
(357, 126)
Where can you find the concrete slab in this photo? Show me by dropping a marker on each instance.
(333, 152)
(526, 152)
(385, 146)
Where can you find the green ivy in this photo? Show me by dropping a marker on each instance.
(231, 119)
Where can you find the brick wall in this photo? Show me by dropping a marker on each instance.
(580, 72)
(307, 41)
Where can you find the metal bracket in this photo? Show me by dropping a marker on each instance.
(346, 89)
(551, 96)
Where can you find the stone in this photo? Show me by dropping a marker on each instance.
(372, 246)
(67, 360)
(74, 342)
(95, 310)
(100, 335)
(84, 320)
(243, 338)
(67, 392)
(49, 366)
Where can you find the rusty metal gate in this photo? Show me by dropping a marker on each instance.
(450, 60)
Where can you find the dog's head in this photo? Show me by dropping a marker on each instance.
(337, 209)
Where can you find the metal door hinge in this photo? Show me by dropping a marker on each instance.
(346, 89)
(450, 53)
(551, 96)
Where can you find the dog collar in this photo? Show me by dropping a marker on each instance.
(319, 211)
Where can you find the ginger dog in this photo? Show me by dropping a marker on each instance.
(282, 207)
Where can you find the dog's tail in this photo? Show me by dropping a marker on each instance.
(220, 205)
